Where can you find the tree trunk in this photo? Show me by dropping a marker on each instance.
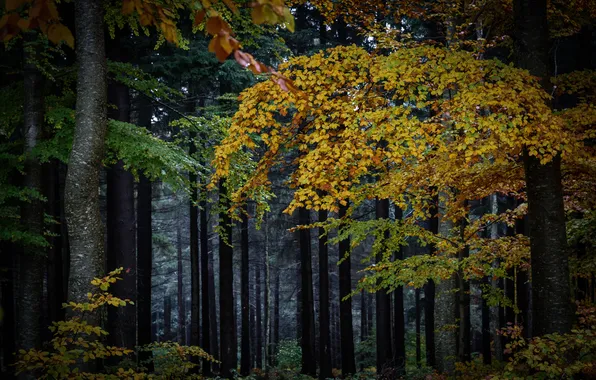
(267, 296)
(206, 271)
(144, 249)
(8, 307)
(430, 291)
(551, 309)
(495, 315)
(32, 262)
(227, 325)
(181, 328)
(245, 288)
(259, 316)
(195, 278)
(307, 315)
(85, 228)
(276, 315)
(121, 233)
(348, 362)
(324, 335)
(167, 317)
(464, 344)
(418, 306)
(363, 317)
(213, 315)
(384, 351)
(399, 331)
(445, 315)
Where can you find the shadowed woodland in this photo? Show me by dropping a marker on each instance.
(297, 189)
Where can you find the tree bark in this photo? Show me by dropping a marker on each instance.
(465, 343)
(85, 228)
(227, 325)
(324, 334)
(195, 278)
(181, 328)
(144, 249)
(399, 330)
(32, 261)
(307, 315)
(259, 317)
(551, 309)
(348, 362)
(206, 271)
(276, 315)
(245, 288)
(121, 228)
(384, 351)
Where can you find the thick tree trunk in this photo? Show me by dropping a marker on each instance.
(213, 315)
(384, 351)
(324, 334)
(121, 233)
(399, 330)
(307, 316)
(244, 289)
(207, 322)
(348, 362)
(227, 325)
(32, 262)
(85, 228)
(445, 316)
(144, 249)
(551, 309)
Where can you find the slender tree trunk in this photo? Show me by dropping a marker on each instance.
(213, 315)
(206, 271)
(267, 297)
(227, 325)
(195, 275)
(245, 288)
(276, 315)
(348, 362)
(167, 318)
(495, 315)
(32, 262)
(307, 315)
(384, 351)
(399, 331)
(144, 249)
(551, 309)
(363, 317)
(418, 306)
(259, 315)
(486, 333)
(464, 345)
(181, 328)
(121, 227)
(85, 229)
(324, 334)
(430, 290)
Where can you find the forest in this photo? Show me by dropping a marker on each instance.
(292, 189)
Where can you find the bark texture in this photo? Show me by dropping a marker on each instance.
(348, 362)
(245, 288)
(324, 334)
(85, 229)
(307, 343)
(551, 309)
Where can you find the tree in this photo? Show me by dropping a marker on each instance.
(348, 362)
(245, 288)
(383, 305)
(85, 229)
(324, 331)
(546, 214)
(307, 343)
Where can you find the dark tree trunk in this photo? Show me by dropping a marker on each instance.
(306, 300)
(120, 222)
(348, 362)
(486, 352)
(85, 228)
(324, 334)
(259, 316)
(266, 297)
(363, 317)
(383, 312)
(8, 307)
(144, 249)
(546, 215)
(32, 262)
(464, 344)
(418, 306)
(213, 316)
(399, 330)
(227, 325)
(245, 288)
(181, 328)
(429, 293)
(195, 278)
(276, 314)
(167, 318)
(206, 271)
